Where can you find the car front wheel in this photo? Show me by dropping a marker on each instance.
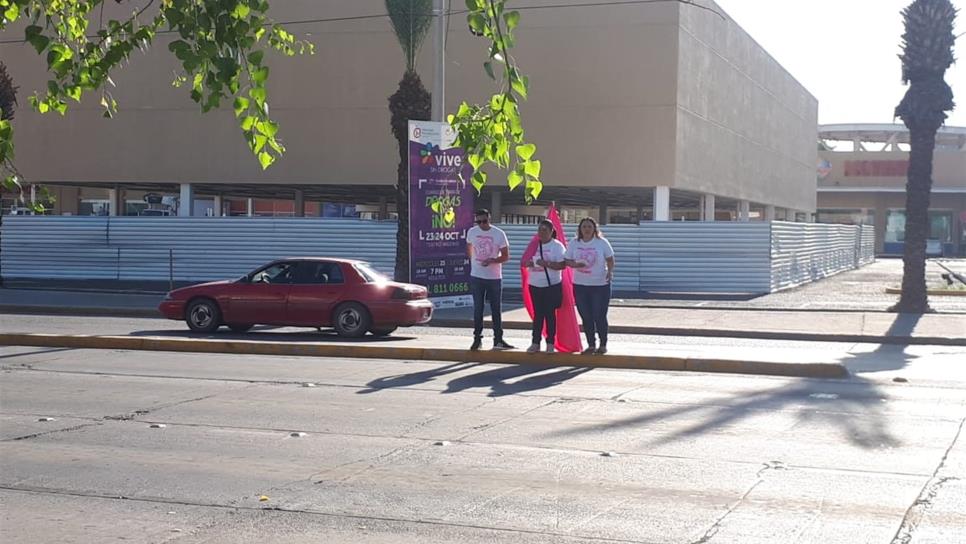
(351, 320)
(203, 315)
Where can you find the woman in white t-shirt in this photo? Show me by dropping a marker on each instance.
(592, 258)
(546, 284)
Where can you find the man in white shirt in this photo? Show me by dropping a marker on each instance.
(488, 248)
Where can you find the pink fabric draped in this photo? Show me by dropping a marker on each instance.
(568, 329)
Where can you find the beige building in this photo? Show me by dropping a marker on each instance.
(862, 179)
(660, 111)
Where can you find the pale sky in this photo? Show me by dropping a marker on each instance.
(845, 53)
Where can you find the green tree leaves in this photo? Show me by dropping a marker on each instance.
(489, 131)
(220, 45)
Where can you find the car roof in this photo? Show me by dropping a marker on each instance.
(320, 259)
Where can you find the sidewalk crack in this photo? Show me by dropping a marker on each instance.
(917, 511)
(716, 526)
(53, 431)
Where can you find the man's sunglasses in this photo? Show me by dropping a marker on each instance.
(482, 221)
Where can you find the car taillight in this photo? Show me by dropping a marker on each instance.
(409, 293)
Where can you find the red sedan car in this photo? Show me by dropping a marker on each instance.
(303, 292)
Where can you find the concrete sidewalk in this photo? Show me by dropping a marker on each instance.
(874, 327)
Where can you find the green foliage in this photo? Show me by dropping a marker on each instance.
(8, 94)
(411, 20)
(220, 44)
(9, 180)
(492, 133)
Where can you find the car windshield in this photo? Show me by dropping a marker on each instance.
(370, 274)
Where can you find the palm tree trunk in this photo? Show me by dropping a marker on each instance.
(918, 187)
(411, 102)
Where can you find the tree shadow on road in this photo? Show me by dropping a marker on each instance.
(887, 356)
(854, 406)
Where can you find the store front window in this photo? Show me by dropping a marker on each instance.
(940, 226)
(845, 216)
(94, 207)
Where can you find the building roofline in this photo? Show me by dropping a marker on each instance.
(947, 136)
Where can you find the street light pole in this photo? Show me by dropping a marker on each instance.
(439, 44)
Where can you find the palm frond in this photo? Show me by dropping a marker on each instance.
(927, 43)
(8, 94)
(411, 20)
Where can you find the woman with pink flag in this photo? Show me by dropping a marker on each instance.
(592, 256)
(548, 288)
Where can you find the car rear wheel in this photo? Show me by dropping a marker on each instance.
(383, 331)
(351, 320)
(240, 327)
(203, 315)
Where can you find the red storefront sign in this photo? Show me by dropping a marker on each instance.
(876, 169)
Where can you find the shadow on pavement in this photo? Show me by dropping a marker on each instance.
(272, 334)
(853, 406)
(886, 356)
(414, 378)
(501, 382)
(35, 352)
(694, 297)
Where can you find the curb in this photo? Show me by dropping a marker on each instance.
(248, 347)
(931, 292)
(745, 334)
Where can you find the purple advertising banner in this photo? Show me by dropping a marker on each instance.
(440, 213)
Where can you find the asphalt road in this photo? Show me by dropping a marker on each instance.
(397, 451)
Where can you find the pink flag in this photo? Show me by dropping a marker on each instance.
(568, 330)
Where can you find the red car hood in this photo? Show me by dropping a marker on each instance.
(190, 288)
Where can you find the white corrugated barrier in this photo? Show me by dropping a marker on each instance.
(685, 257)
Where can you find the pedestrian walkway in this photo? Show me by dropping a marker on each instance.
(877, 327)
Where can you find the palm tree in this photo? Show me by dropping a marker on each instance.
(411, 20)
(8, 94)
(927, 51)
(8, 102)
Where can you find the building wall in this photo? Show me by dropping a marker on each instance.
(879, 181)
(608, 106)
(746, 127)
(859, 169)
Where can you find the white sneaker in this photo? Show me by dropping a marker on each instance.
(551, 349)
(533, 348)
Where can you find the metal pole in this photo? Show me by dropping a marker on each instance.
(439, 44)
(118, 271)
(170, 270)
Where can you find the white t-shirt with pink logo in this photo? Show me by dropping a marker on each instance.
(486, 245)
(594, 255)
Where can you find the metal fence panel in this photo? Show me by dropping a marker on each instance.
(688, 257)
(202, 248)
(866, 245)
(805, 252)
(704, 257)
